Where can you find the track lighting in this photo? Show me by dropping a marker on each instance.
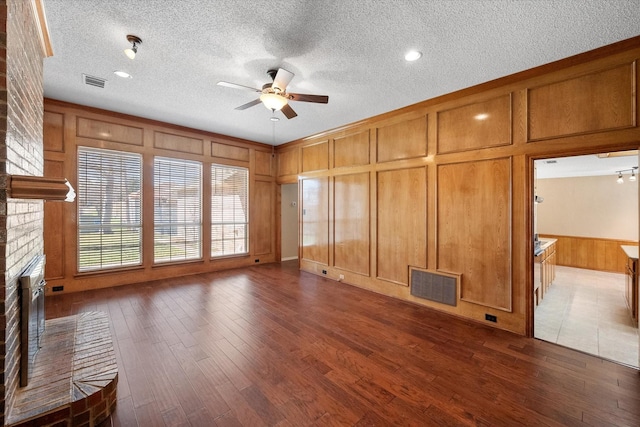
(135, 41)
(632, 178)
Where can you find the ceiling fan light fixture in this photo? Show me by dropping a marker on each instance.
(273, 101)
(135, 41)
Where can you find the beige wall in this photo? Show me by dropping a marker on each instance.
(289, 237)
(594, 206)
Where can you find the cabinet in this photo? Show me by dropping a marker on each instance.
(631, 287)
(544, 269)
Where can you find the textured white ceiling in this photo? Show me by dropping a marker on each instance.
(350, 50)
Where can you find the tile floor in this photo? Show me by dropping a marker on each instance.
(586, 310)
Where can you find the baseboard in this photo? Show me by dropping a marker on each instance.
(289, 258)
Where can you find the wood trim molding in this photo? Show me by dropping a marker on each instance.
(42, 27)
(37, 187)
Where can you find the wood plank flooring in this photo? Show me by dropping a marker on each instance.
(269, 345)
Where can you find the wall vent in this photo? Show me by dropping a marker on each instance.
(93, 81)
(434, 286)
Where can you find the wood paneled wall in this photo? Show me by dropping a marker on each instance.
(68, 126)
(591, 253)
(446, 184)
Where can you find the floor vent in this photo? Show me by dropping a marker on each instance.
(93, 81)
(435, 286)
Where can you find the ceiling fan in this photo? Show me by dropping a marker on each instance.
(274, 95)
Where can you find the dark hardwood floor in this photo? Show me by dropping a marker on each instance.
(270, 345)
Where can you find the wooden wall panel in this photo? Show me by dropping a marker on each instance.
(599, 101)
(351, 223)
(54, 131)
(403, 140)
(474, 229)
(288, 162)
(262, 217)
(227, 151)
(181, 144)
(315, 157)
(591, 253)
(315, 219)
(351, 150)
(106, 131)
(473, 126)
(54, 236)
(264, 162)
(402, 223)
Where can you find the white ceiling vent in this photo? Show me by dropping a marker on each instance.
(93, 81)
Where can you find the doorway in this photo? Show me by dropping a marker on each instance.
(584, 213)
(289, 222)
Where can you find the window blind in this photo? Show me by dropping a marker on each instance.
(109, 209)
(177, 210)
(229, 210)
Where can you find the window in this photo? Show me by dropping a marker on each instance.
(229, 211)
(177, 210)
(109, 209)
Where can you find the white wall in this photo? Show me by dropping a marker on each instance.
(289, 237)
(594, 206)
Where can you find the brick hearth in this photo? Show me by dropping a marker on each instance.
(74, 378)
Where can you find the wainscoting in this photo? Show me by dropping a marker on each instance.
(590, 253)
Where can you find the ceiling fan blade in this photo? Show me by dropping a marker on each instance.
(237, 86)
(249, 104)
(288, 111)
(321, 99)
(282, 79)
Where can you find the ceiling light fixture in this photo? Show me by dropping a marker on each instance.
(135, 41)
(122, 74)
(620, 180)
(273, 101)
(412, 55)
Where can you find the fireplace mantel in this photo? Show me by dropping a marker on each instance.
(38, 187)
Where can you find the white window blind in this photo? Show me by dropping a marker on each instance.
(229, 211)
(177, 210)
(109, 209)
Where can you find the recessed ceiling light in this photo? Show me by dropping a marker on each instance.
(413, 55)
(482, 116)
(122, 74)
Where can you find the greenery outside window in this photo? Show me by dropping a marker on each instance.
(177, 210)
(109, 209)
(229, 210)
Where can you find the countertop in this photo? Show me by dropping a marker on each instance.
(630, 250)
(544, 244)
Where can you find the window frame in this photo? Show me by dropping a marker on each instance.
(231, 212)
(175, 226)
(83, 207)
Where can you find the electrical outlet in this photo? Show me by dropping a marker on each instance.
(490, 318)
(257, 260)
(324, 271)
(57, 288)
(341, 278)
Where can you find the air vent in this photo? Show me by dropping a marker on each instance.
(93, 81)
(435, 286)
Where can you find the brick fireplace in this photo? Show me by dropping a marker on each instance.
(21, 153)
